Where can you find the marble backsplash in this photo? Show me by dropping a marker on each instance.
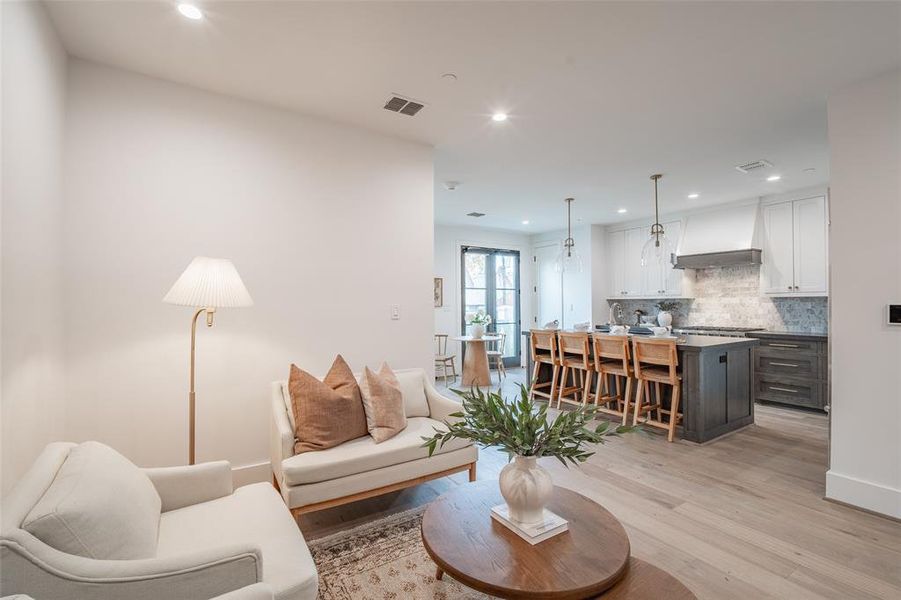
(730, 296)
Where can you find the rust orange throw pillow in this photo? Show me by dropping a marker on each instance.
(328, 412)
(383, 403)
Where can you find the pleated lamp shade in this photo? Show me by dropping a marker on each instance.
(209, 283)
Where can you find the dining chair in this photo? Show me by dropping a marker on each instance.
(496, 354)
(443, 359)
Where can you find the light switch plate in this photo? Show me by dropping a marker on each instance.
(893, 314)
(395, 312)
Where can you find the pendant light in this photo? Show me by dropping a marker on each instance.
(656, 254)
(569, 260)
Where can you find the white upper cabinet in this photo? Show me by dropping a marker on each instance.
(628, 279)
(616, 261)
(672, 285)
(794, 252)
(778, 249)
(634, 285)
(810, 245)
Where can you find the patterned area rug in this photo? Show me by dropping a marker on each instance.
(382, 560)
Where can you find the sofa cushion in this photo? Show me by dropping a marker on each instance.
(411, 386)
(254, 514)
(99, 505)
(363, 454)
(327, 412)
(383, 402)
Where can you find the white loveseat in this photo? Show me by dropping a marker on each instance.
(361, 468)
(206, 539)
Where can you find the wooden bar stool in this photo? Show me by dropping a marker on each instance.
(575, 356)
(442, 358)
(496, 355)
(657, 361)
(543, 346)
(613, 359)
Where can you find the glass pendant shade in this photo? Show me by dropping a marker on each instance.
(657, 251)
(568, 262)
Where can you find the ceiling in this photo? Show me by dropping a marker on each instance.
(600, 95)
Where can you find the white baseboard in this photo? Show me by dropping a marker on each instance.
(871, 496)
(254, 473)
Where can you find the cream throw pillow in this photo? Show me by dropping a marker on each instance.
(383, 403)
(100, 505)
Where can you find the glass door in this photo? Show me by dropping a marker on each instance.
(491, 285)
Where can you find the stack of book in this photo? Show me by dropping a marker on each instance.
(551, 525)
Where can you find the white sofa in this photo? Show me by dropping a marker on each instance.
(361, 468)
(207, 539)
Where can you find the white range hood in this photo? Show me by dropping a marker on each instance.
(723, 237)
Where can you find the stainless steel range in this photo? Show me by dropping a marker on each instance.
(713, 330)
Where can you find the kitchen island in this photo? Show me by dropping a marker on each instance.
(717, 392)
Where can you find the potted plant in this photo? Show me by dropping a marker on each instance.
(524, 432)
(664, 316)
(479, 322)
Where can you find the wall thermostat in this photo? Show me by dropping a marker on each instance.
(894, 314)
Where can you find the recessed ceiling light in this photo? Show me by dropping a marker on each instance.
(190, 11)
(622, 211)
(499, 116)
(774, 178)
(449, 76)
(692, 196)
(809, 170)
(525, 222)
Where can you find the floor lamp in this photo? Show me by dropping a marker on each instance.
(207, 284)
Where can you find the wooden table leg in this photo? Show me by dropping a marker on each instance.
(438, 573)
(475, 365)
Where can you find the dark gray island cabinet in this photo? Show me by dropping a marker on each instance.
(717, 385)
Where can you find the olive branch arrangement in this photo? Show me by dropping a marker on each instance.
(519, 429)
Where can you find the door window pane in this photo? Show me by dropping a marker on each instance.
(505, 306)
(505, 271)
(474, 269)
(510, 342)
(475, 302)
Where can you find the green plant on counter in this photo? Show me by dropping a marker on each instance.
(667, 305)
(521, 429)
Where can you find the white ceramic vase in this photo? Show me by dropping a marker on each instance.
(664, 318)
(478, 330)
(526, 487)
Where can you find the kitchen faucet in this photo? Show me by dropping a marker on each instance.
(616, 314)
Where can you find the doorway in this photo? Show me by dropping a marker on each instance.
(548, 290)
(491, 285)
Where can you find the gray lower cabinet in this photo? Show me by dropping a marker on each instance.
(791, 369)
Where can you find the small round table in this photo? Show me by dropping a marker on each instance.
(475, 360)
(464, 541)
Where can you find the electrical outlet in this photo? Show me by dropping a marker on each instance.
(395, 312)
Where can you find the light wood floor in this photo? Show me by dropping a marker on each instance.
(740, 517)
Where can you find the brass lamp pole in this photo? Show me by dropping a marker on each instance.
(209, 283)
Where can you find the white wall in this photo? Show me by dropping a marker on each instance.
(447, 265)
(328, 225)
(865, 253)
(34, 76)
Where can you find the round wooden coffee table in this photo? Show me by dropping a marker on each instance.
(464, 541)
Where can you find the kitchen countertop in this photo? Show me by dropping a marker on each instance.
(697, 343)
(807, 335)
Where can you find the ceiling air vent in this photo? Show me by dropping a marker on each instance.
(475, 214)
(402, 105)
(753, 166)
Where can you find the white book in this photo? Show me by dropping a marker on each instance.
(551, 525)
